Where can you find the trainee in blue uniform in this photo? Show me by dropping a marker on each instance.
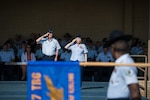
(6, 56)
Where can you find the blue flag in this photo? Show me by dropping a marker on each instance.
(53, 80)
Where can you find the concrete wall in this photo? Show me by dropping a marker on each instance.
(94, 19)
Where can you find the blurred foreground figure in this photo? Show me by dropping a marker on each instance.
(123, 84)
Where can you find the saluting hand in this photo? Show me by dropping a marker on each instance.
(74, 40)
(46, 34)
(69, 44)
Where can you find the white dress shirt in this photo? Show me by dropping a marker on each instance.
(24, 57)
(121, 77)
(49, 47)
(78, 51)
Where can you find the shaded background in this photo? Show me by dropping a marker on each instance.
(90, 18)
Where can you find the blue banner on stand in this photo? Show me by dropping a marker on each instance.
(53, 80)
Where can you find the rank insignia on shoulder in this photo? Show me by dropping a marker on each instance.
(128, 72)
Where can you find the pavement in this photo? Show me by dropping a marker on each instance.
(17, 90)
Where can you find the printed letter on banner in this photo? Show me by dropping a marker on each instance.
(53, 80)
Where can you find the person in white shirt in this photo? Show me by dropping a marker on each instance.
(123, 84)
(27, 55)
(50, 46)
(79, 51)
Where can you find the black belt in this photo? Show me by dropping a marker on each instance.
(49, 56)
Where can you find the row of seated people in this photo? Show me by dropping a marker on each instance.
(17, 45)
(11, 72)
(26, 54)
(95, 53)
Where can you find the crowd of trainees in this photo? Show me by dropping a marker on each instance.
(123, 84)
(19, 50)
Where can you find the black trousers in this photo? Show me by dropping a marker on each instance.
(6, 72)
(81, 75)
(48, 58)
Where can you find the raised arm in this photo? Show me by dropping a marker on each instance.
(40, 38)
(69, 44)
